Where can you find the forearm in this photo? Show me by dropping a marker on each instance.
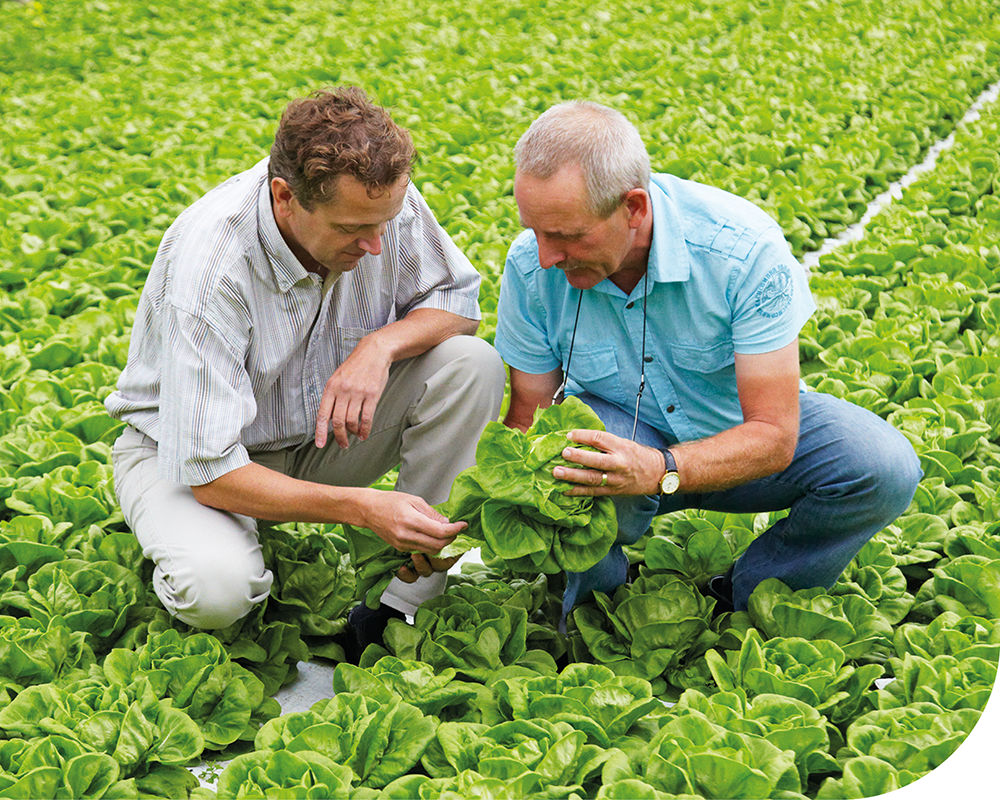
(731, 458)
(518, 415)
(765, 442)
(419, 331)
(258, 492)
(529, 392)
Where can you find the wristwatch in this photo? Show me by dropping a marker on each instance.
(671, 480)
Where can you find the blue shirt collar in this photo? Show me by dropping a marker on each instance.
(668, 255)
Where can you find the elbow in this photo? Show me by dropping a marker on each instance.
(784, 452)
(206, 495)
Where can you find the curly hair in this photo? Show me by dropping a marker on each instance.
(338, 132)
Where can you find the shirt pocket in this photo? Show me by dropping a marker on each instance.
(595, 370)
(706, 369)
(348, 339)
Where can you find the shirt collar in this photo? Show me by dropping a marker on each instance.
(288, 270)
(668, 255)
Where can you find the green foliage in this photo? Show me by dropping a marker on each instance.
(692, 754)
(967, 586)
(313, 589)
(849, 621)
(279, 773)
(143, 734)
(645, 629)
(553, 756)
(916, 738)
(98, 598)
(377, 741)
(465, 630)
(950, 634)
(196, 673)
(698, 546)
(813, 671)
(612, 710)
(943, 680)
(117, 115)
(436, 693)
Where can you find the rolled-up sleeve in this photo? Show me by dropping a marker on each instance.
(206, 401)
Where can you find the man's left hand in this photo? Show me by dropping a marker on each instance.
(352, 393)
(424, 566)
(631, 469)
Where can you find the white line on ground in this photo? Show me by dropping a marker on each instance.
(895, 190)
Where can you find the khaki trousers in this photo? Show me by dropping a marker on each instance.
(208, 566)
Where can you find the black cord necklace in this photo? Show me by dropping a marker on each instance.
(642, 360)
(558, 396)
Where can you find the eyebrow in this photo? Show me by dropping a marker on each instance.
(561, 234)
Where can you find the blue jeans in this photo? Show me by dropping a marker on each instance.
(852, 474)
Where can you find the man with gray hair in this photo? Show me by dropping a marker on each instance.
(676, 318)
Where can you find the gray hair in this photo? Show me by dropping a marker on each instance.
(601, 141)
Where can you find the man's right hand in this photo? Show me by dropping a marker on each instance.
(409, 523)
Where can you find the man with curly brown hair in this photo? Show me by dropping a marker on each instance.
(306, 327)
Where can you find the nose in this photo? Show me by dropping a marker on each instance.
(372, 244)
(548, 254)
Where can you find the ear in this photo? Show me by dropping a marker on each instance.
(282, 195)
(637, 205)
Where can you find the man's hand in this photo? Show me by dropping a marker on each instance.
(424, 566)
(352, 393)
(632, 469)
(408, 523)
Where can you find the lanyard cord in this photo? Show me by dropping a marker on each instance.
(557, 397)
(642, 362)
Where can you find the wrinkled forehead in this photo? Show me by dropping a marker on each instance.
(557, 204)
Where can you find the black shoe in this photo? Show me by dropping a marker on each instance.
(721, 588)
(365, 626)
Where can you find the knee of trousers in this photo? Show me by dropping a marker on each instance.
(214, 592)
(895, 472)
(475, 372)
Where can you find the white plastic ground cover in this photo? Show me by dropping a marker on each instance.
(895, 190)
(315, 679)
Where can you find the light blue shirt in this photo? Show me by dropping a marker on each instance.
(721, 280)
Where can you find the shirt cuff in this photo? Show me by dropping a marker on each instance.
(199, 471)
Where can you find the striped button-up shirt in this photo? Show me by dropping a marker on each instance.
(234, 339)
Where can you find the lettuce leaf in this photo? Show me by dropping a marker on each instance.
(517, 511)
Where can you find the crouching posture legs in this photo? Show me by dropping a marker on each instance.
(209, 571)
(852, 475)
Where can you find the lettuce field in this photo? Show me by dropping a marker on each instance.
(116, 115)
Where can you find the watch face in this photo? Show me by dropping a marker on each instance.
(670, 483)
